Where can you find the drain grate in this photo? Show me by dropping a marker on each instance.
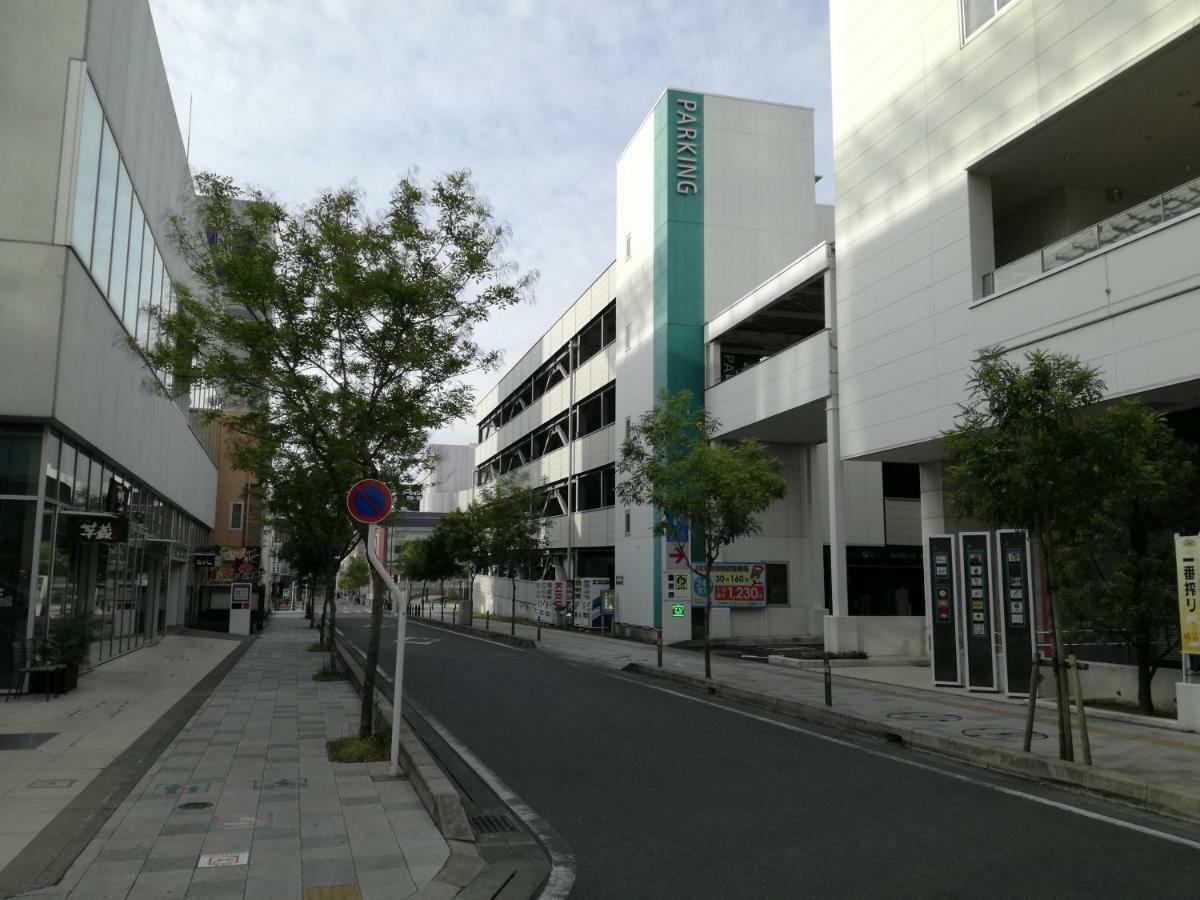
(195, 804)
(492, 824)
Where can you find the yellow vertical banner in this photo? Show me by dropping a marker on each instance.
(1187, 551)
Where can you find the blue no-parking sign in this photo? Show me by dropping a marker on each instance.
(369, 501)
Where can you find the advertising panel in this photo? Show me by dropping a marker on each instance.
(1015, 593)
(977, 610)
(1187, 549)
(737, 585)
(943, 611)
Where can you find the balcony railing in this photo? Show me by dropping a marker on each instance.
(1163, 208)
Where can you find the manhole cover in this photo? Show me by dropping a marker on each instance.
(492, 824)
(195, 804)
(924, 717)
(1000, 734)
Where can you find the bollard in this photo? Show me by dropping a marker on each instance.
(487, 620)
(443, 612)
(828, 683)
(659, 633)
(539, 628)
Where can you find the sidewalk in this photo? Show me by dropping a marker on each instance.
(1155, 756)
(245, 802)
(73, 751)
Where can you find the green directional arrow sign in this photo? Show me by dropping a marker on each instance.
(677, 610)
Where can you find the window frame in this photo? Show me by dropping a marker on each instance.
(240, 506)
(999, 7)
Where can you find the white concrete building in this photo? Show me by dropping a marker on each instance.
(721, 284)
(104, 486)
(447, 485)
(1012, 172)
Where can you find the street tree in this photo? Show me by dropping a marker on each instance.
(1120, 580)
(345, 337)
(513, 530)
(412, 564)
(357, 574)
(317, 535)
(466, 539)
(1028, 453)
(440, 563)
(674, 463)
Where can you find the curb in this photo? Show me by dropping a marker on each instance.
(438, 795)
(497, 636)
(1106, 783)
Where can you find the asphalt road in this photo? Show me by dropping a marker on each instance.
(660, 796)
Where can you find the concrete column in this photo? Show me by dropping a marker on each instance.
(833, 444)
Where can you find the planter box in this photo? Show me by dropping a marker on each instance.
(61, 680)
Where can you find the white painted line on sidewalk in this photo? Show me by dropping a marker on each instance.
(562, 860)
(1012, 792)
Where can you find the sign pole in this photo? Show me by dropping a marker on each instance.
(401, 621)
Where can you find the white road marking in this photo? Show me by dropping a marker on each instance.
(562, 861)
(1012, 792)
(471, 637)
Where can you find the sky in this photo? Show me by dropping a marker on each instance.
(537, 99)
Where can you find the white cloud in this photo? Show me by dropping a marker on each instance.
(536, 98)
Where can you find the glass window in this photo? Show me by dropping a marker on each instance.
(86, 173)
(149, 254)
(106, 194)
(97, 481)
(137, 225)
(977, 13)
(777, 584)
(17, 520)
(120, 242)
(155, 300)
(236, 509)
(53, 445)
(20, 457)
(66, 474)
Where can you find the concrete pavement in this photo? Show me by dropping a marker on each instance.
(245, 802)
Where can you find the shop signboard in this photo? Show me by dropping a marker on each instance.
(1187, 551)
(93, 528)
(234, 564)
(1014, 593)
(943, 610)
(239, 595)
(975, 553)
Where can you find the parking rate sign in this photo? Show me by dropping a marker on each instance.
(369, 501)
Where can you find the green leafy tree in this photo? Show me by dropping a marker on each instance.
(466, 538)
(412, 563)
(674, 463)
(1120, 581)
(1025, 455)
(357, 574)
(513, 530)
(344, 337)
(440, 563)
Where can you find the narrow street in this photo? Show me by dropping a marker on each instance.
(660, 795)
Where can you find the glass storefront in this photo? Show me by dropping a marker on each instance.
(76, 534)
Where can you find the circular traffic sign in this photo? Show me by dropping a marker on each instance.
(369, 501)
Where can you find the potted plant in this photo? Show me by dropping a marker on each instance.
(72, 636)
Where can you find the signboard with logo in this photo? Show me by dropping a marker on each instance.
(975, 553)
(1014, 593)
(239, 595)
(93, 528)
(231, 564)
(943, 611)
(1187, 551)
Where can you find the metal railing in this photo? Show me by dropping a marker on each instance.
(1163, 208)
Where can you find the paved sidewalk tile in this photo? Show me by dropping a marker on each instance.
(254, 756)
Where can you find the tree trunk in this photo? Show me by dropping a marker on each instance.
(1066, 748)
(707, 617)
(1144, 655)
(331, 602)
(324, 612)
(366, 722)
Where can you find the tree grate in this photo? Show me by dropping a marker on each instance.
(491, 824)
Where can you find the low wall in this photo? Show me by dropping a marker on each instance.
(876, 635)
(1119, 683)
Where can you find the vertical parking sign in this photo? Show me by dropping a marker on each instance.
(943, 610)
(1014, 601)
(977, 610)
